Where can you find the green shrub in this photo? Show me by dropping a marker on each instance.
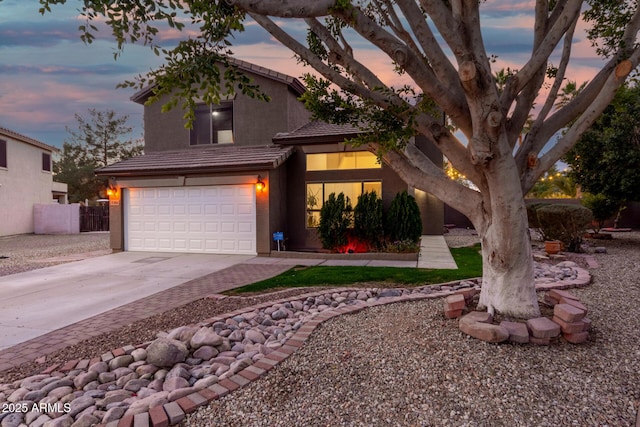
(403, 219)
(533, 216)
(367, 219)
(601, 207)
(335, 218)
(566, 223)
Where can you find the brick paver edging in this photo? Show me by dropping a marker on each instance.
(174, 412)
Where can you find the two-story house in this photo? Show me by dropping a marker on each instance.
(26, 179)
(246, 170)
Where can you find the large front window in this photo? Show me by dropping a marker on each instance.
(318, 193)
(212, 125)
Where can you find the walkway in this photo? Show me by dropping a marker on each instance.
(434, 253)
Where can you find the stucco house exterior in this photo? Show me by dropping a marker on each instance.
(26, 180)
(244, 172)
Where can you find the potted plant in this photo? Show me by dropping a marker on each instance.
(552, 247)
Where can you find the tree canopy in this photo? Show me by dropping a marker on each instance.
(606, 160)
(439, 48)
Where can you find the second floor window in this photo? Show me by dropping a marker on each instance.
(213, 125)
(3, 153)
(46, 162)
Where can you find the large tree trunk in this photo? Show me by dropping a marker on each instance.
(508, 283)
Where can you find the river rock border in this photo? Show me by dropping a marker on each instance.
(122, 389)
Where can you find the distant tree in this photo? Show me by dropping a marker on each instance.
(77, 170)
(100, 140)
(553, 185)
(606, 159)
(105, 137)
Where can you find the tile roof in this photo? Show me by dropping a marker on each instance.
(15, 135)
(316, 130)
(295, 84)
(226, 158)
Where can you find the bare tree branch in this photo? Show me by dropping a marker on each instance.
(442, 67)
(409, 166)
(540, 56)
(525, 148)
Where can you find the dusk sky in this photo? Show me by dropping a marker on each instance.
(47, 74)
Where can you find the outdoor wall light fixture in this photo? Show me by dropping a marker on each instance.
(260, 184)
(112, 191)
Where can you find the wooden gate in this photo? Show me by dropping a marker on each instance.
(94, 218)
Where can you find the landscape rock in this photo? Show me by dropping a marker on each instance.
(166, 352)
(204, 336)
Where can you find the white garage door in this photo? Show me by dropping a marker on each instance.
(216, 219)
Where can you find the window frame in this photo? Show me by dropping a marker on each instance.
(46, 162)
(225, 106)
(4, 156)
(338, 160)
(311, 212)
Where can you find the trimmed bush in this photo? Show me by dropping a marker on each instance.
(403, 218)
(335, 218)
(532, 215)
(566, 223)
(367, 219)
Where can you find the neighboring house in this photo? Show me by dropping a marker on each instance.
(25, 180)
(244, 172)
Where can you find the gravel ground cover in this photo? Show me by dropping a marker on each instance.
(403, 364)
(27, 252)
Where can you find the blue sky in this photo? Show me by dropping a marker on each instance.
(47, 74)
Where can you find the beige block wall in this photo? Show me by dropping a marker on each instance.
(23, 183)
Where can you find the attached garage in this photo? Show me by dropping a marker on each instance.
(208, 219)
(199, 201)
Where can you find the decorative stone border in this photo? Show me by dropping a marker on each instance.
(175, 411)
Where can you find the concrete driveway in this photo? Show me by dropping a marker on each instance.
(40, 301)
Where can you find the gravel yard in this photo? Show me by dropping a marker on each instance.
(404, 364)
(27, 252)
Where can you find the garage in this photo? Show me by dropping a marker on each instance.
(217, 219)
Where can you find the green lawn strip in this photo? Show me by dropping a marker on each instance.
(468, 260)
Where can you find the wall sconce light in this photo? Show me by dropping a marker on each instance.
(112, 191)
(260, 184)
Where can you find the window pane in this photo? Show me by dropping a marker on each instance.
(222, 124)
(201, 132)
(367, 160)
(373, 186)
(342, 161)
(316, 192)
(212, 125)
(314, 196)
(46, 162)
(316, 162)
(350, 189)
(3, 153)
